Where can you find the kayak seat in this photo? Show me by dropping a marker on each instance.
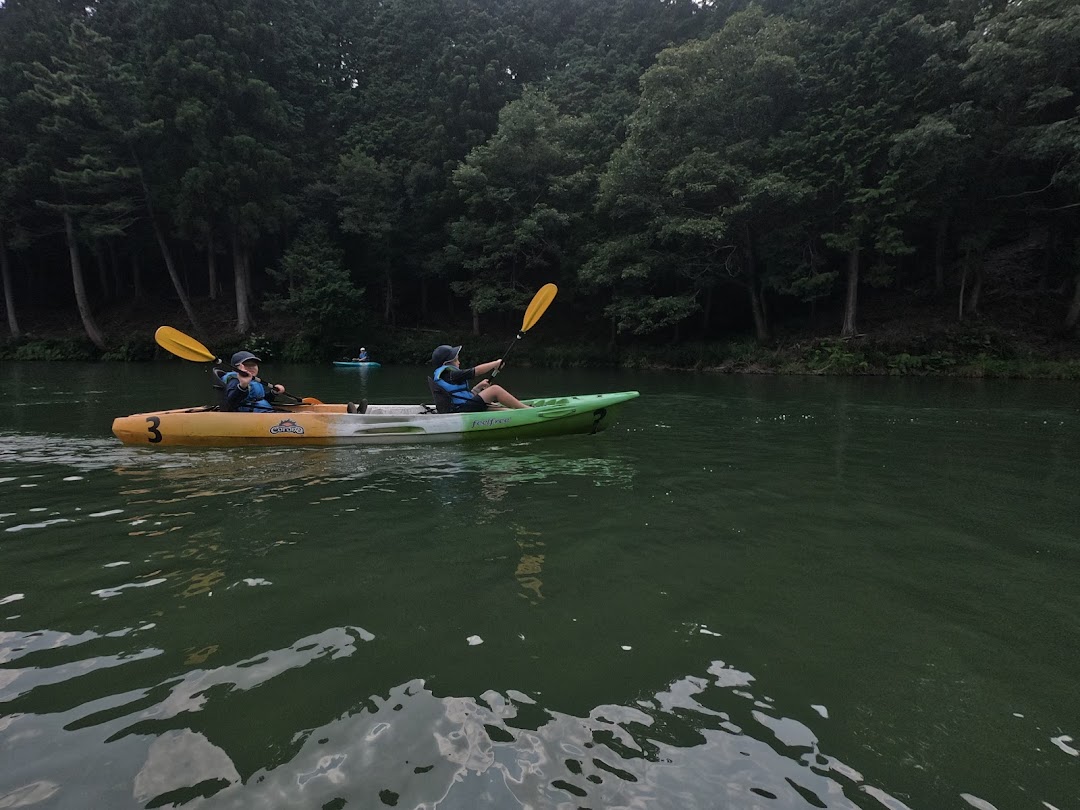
(218, 385)
(440, 397)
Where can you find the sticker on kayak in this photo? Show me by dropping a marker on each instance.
(489, 422)
(287, 426)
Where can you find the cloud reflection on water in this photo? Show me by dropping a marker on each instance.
(674, 749)
(671, 751)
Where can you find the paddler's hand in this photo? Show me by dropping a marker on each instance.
(480, 386)
(278, 389)
(244, 376)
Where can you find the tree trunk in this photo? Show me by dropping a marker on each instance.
(248, 285)
(939, 251)
(963, 286)
(9, 296)
(166, 253)
(114, 269)
(1049, 253)
(211, 265)
(476, 323)
(1073, 317)
(972, 307)
(103, 270)
(388, 300)
(240, 277)
(757, 307)
(851, 301)
(761, 326)
(83, 302)
(136, 278)
(178, 285)
(706, 311)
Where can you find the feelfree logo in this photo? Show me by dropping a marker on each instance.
(489, 422)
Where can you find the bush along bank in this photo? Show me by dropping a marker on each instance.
(965, 353)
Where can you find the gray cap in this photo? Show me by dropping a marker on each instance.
(240, 357)
(444, 354)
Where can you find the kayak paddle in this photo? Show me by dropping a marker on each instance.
(188, 348)
(537, 307)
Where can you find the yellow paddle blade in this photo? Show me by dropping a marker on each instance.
(185, 346)
(541, 301)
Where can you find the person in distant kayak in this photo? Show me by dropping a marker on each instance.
(244, 391)
(361, 356)
(453, 380)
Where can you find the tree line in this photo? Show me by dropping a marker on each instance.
(674, 165)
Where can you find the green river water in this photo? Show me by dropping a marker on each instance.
(752, 592)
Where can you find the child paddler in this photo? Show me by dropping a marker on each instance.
(244, 391)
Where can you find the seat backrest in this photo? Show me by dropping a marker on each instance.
(441, 398)
(219, 385)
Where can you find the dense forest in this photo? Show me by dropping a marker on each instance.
(683, 170)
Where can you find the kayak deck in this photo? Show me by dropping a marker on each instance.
(331, 424)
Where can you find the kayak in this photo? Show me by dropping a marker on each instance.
(327, 424)
(356, 363)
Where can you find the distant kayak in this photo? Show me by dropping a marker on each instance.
(356, 363)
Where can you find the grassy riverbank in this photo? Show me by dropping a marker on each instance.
(977, 348)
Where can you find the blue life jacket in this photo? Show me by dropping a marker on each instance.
(256, 394)
(460, 393)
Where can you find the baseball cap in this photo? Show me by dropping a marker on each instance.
(240, 357)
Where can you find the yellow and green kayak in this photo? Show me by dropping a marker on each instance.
(325, 424)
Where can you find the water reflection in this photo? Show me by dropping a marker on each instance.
(531, 564)
(705, 740)
(525, 624)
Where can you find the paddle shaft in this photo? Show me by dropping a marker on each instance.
(539, 304)
(513, 343)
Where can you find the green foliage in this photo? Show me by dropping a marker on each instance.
(700, 178)
(905, 363)
(50, 349)
(836, 357)
(318, 290)
(523, 192)
(575, 355)
(85, 124)
(300, 348)
(641, 316)
(258, 344)
(667, 164)
(132, 349)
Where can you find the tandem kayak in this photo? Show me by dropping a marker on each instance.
(326, 424)
(356, 364)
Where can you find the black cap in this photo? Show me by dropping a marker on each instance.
(444, 354)
(240, 357)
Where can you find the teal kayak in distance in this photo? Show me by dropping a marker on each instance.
(356, 364)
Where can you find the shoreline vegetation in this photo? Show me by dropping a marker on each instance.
(822, 187)
(983, 349)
